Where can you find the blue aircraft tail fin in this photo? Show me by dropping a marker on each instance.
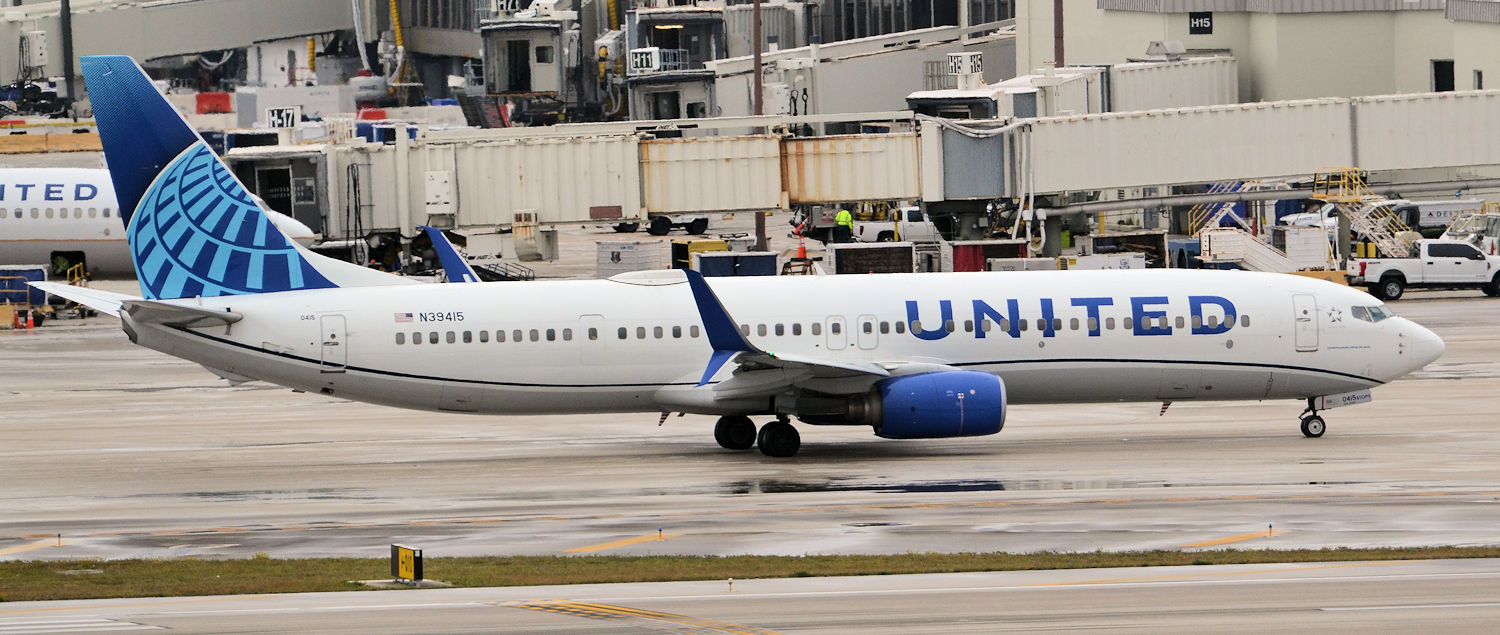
(192, 226)
(454, 266)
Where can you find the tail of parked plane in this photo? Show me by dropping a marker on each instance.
(192, 227)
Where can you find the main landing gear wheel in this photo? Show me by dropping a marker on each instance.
(779, 439)
(735, 433)
(1313, 426)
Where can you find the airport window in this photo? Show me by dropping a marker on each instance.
(693, 331)
(817, 328)
(760, 330)
(544, 54)
(499, 336)
(623, 332)
(885, 327)
(780, 330)
(968, 326)
(515, 335)
(593, 333)
(1245, 321)
(484, 337)
(656, 332)
(900, 327)
(432, 338)
(676, 332)
(796, 328)
(1127, 324)
(640, 332)
(536, 336)
(1109, 324)
(468, 337)
(1072, 324)
(452, 337)
(552, 335)
(400, 338)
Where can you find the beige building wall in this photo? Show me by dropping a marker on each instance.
(1281, 56)
(1476, 47)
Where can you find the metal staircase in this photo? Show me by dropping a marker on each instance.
(1345, 188)
(1205, 216)
(1235, 245)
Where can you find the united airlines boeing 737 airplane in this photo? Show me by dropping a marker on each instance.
(910, 356)
(71, 213)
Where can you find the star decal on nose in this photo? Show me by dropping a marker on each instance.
(1335, 315)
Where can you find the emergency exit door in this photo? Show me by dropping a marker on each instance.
(335, 348)
(1305, 314)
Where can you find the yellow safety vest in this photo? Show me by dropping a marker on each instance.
(844, 218)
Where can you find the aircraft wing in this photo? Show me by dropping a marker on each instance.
(101, 301)
(760, 373)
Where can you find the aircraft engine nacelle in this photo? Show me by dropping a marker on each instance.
(960, 403)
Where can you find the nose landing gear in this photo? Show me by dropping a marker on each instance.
(1313, 425)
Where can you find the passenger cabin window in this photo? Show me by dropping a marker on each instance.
(623, 332)
(400, 338)
(693, 331)
(468, 337)
(432, 338)
(484, 337)
(796, 328)
(817, 328)
(452, 337)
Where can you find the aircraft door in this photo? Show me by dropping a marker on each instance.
(837, 337)
(1305, 314)
(334, 352)
(591, 338)
(867, 336)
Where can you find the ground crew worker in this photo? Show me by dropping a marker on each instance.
(843, 227)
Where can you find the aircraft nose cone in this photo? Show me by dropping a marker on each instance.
(1426, 346)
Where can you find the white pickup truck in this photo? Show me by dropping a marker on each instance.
(1439, 263)
(907, 223)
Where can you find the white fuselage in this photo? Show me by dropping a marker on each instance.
(46, 211)
(562, 348)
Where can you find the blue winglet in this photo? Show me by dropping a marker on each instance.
(722, 333)
(454, 265)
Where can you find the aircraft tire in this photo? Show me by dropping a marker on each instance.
(1313, 426)
(735, 433)
(779, 439)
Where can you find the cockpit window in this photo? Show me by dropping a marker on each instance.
(1370, 313)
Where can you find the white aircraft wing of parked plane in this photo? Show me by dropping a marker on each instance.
(907, 355)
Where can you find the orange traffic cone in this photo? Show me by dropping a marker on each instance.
(29, 323)
(801, 249)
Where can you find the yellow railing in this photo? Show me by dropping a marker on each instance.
(1340, 185)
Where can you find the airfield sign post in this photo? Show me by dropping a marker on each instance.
(406, 564)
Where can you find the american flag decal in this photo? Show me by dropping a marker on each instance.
(403, 317)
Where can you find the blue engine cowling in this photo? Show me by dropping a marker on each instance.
(958, 403)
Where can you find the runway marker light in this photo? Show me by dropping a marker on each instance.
(1269, 530)
(731, 585)
(658, 534)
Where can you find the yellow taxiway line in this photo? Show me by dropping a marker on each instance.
(1233, 539)
(24, 548)
(621, 543)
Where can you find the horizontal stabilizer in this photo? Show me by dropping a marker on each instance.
(101, 301)
(152, 312)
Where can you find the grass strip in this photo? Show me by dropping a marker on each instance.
(88, 579)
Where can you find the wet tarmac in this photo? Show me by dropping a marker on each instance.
(129, 453)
